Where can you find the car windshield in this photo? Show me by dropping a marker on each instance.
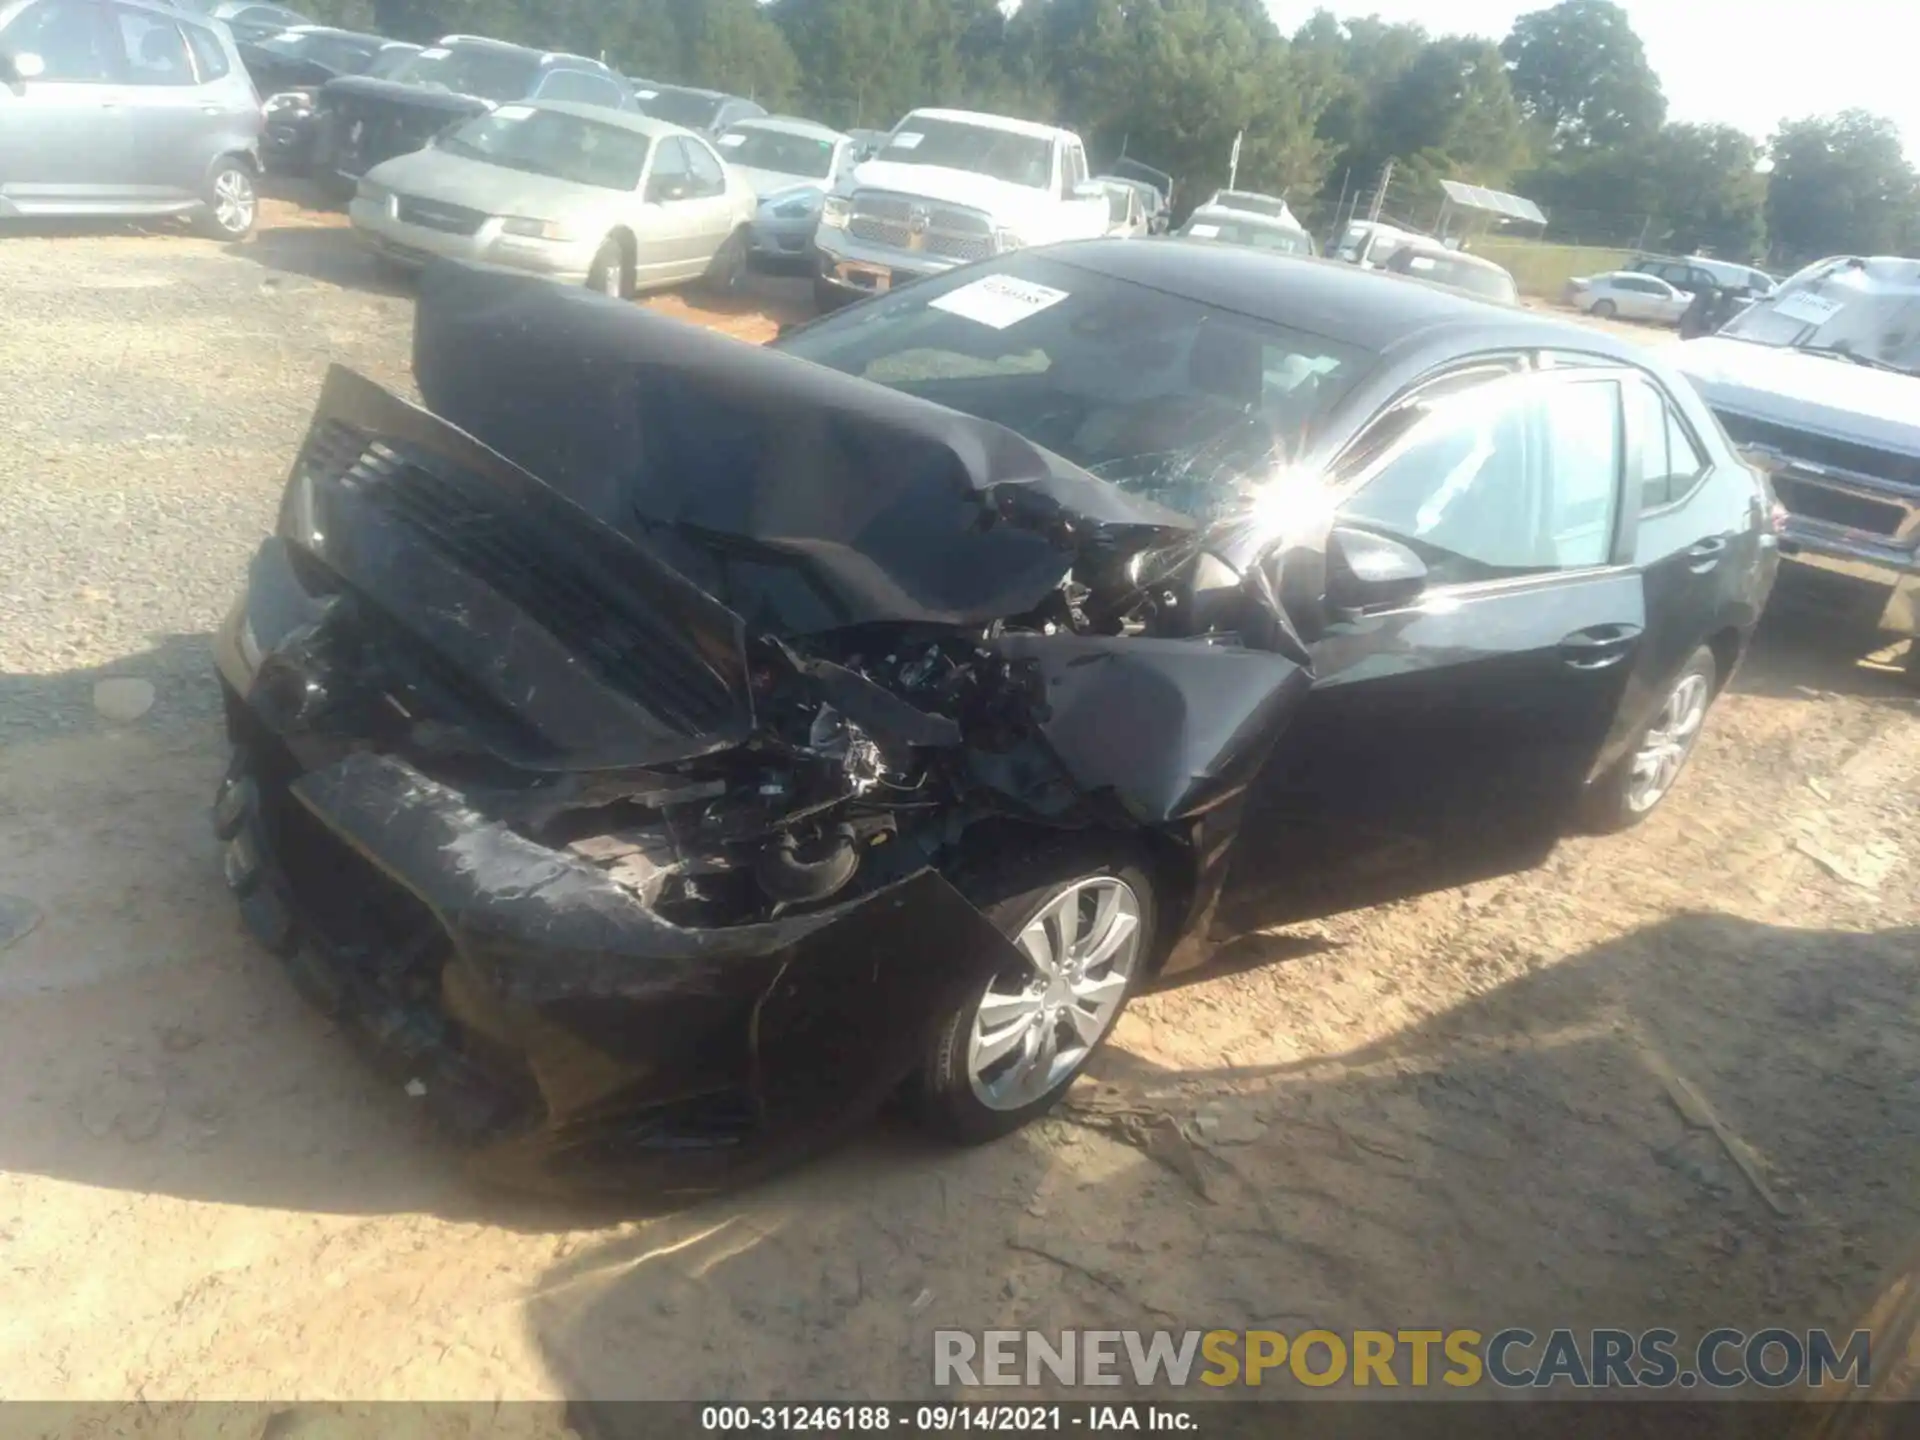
(1869, 310)
(481, 70)
(681, 107)
(1460, 274)
(1252, 234)
(1249, 201)
(1005, 155)
(1190, 406)
(804, 156)
(547, 142)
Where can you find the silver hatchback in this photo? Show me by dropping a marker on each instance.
(119, 107)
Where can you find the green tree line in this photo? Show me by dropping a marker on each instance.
(1565, 109)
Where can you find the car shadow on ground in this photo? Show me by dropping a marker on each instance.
(1802, 652)
(1537, 1156)
(329, 253)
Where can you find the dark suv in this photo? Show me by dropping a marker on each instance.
(361, 121)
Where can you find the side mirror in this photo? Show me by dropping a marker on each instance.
(1369, 572)
(24, 65)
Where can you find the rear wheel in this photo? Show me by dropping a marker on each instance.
(729, 265)
(1604, 309)
(1629, 792)
(1004, 1058)
(611, 273)
(232, 203)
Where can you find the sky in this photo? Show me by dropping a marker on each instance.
(1728, 61)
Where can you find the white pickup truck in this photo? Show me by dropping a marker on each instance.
(946, 188)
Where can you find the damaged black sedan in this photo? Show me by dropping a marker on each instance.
(663, 749)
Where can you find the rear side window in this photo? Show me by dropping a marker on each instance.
(209, 55)
(156, 50)
(1670, 458)
(72, 39)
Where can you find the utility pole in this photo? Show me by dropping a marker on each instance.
(1341, 203)
(1380, 195)
(1233, 161)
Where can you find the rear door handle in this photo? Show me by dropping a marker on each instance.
(1598, 646)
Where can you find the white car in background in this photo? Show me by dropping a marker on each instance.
(949, 187)
(1228, 226)
(1628, 295)
(578, 193)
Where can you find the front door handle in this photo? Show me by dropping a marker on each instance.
(1598, 646)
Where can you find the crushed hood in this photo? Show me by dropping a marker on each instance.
(801, 498)
(1815, 393)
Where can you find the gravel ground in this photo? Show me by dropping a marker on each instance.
(1450, 1111)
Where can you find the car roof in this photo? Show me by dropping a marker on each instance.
(1441, 252)
(789, 125)
(489, 43)
(1248, 217)
(1337, 301)
(997, 122)
(336, 32)
(694, 90)
(620, 119)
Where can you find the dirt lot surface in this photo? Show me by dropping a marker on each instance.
(1470, 1109)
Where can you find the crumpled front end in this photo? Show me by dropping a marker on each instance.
(633, 892)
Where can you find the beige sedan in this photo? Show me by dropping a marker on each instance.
(578, 193)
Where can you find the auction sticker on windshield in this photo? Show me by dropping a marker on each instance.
(906, 140)
(998, 301)
(436, 53)
(513, 112)
(1204, 232)
(1813, 309)
(728, 142)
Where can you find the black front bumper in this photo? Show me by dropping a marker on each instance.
(544, 1014)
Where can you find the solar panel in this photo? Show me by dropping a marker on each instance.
(1498, 202)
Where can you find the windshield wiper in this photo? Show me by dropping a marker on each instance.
(1872, 362)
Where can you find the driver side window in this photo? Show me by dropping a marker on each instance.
(1514, 477)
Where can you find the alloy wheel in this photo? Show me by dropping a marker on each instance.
(1033, 1029)
(1668, 742)
(233, 201)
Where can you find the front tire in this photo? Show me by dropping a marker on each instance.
(1005, 1057)
(1630, 791)
(611, 274)
(232, 203)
